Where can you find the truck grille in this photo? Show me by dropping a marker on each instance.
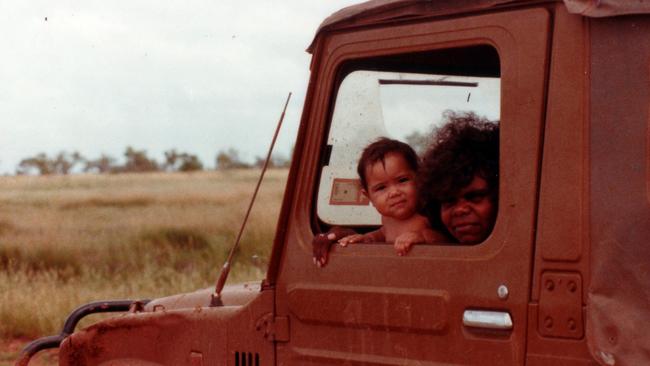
(247, 359)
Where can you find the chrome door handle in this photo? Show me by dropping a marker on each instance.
(487, 319)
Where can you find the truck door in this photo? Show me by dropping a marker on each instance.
(439, 304)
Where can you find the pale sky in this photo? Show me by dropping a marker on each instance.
(199, 76)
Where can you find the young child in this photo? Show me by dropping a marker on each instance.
(387, 169)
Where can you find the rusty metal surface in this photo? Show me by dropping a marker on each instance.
(403, 309)
(233, 295)
(378, 333)
(563, 205)
(607, 8)
(619, 292)
(377, 11)
(560, 305)
(201, 335)
(562, 243)
(71, 323)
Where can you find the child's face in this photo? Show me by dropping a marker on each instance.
(470, 215)
(391, 187)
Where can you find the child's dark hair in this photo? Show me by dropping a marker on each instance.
(466, 146)
(378, 150)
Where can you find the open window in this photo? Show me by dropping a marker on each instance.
(403, 99)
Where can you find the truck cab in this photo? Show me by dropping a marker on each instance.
(564, 276)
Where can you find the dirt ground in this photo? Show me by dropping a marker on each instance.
(10, 350)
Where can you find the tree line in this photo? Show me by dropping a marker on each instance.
(136, 161)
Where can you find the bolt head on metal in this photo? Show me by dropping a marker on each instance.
(502, 292)
(550, 285)
(548, 322)
(572, 286)
(572, 325)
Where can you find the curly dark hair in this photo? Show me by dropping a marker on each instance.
(378, 150)
(465, 146)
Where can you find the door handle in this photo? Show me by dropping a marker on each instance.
(487, 319)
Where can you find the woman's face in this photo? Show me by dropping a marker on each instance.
(470, 215)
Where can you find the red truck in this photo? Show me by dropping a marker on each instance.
(563, 278)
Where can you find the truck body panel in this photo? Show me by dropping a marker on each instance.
(366, 290)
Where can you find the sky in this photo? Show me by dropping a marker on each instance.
(198, 76)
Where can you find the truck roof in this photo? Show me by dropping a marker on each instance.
(381, 11)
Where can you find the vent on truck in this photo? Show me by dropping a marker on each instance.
(247, 359)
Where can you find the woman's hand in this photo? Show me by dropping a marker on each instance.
(322, 242)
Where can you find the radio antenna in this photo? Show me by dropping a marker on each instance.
(225, 270)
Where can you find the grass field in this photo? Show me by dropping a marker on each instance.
(69, 240)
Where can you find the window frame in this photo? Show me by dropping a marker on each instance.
(334, 51)
(377, 110)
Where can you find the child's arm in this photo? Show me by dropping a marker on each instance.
(376, 236)
(404, 242)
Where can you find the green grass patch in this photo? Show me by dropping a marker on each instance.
(13, 259)
(67, 242)
(6, 227)
(120, 202)
(184, 239)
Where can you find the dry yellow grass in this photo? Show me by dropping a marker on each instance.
(66, 241)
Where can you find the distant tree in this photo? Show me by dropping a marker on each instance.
(259, 162)
(61, 164)
(281, 161)
(64, 162)
(181, 161)
(104, 164)
(137, 161)
(171, 160)
(230, 160)
(190, 163)
(39, 164)
(277, 161)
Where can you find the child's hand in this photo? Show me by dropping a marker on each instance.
(322, 242)
(404, 242)
(355, 238)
